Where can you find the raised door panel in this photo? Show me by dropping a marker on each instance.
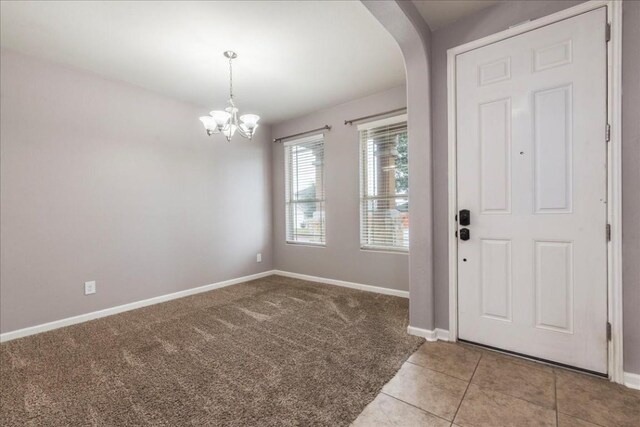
(554, 285)
(495, 156)
(495, 276)
(552, 127)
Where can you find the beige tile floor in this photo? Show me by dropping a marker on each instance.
(447, 384)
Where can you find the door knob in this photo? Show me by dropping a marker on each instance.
(465, 217)
(464, 234)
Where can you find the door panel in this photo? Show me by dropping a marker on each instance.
(495, 156)
(531, 119)
(552, 149)
(554, 285)
(495, 258)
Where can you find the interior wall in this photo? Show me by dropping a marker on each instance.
(341, 258)
(631, 183)
(404, 22)
(105, 181)
(498, 18)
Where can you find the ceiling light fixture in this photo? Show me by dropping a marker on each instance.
(226, 122)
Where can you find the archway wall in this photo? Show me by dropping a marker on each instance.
(406, 25)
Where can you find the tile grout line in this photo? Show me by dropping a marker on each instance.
(440, 372)
(516, 359)
(519, 397)
(581, 419)
(555, 397)
(466, 389)
(417, 407)
(555, 376)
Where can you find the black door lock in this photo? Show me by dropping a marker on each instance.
(465, 217)
(464, 234)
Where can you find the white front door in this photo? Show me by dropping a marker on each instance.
(531, 149)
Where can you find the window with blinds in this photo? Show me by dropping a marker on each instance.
(384, 185)
(304, 186)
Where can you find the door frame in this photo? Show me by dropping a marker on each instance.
(614, 167)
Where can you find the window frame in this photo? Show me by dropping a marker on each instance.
(289, 202)
(364, 181)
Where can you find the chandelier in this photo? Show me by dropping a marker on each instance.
(226, 122)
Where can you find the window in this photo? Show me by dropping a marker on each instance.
(384, 185)
(304, 186)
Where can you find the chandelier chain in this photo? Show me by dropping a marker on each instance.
(230, 79)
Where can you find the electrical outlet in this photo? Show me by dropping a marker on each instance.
(259, 258)
(90, 287)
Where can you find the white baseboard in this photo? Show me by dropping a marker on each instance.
(32, 330)
(430, 335)
(424, 333)
(352, 285)
(632, 380)
(443, 334)
(7, 336)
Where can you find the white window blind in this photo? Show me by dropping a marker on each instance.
(304, 186)
(384, 185)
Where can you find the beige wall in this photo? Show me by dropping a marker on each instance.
(109, 182)
(341, 258)
(631, 183)
(412, 34)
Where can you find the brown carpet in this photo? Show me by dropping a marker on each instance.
(274, 351)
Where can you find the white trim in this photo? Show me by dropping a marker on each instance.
(384, 251)
(424, 333)
(453, 196)
(443, 334)
(305, 244)
(533, 25)
(383, 122)
(310, 138)
(32, 330)
(435, 335)
(632, 380)
(344, 284)
(614, 202)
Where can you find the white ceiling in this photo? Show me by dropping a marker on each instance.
(438, 13)
(294, 57)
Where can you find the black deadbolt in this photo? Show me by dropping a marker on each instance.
(464, 234)
(465, 217)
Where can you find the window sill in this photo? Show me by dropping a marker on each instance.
(307, 244)
(386, 251)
